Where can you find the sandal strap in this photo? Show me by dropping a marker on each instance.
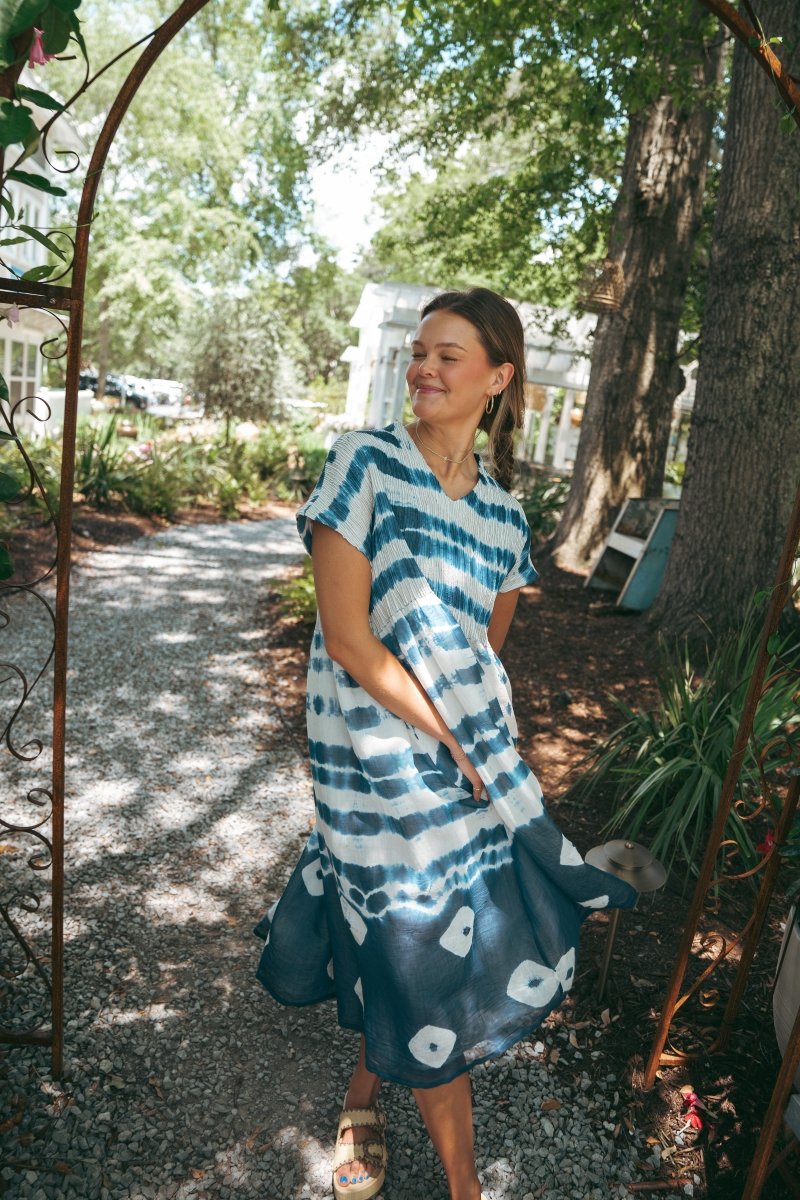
(347, 1152)
(350, 1117)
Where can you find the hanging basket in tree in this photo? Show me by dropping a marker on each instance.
(602, 287)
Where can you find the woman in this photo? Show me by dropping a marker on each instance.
(435, 899)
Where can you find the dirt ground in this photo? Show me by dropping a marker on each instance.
(567, 653)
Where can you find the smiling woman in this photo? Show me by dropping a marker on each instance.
(435, 899)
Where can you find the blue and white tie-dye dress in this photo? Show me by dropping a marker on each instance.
(445, 929)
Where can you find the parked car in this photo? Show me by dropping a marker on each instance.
(139, 392)
(116, 388)
(172, 402)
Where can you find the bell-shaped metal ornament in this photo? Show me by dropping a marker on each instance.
(602, 288)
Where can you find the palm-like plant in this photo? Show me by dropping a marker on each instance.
(667, 767)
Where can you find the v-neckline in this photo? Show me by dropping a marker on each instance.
(415, 448)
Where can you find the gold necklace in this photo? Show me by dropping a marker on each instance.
(445, 457)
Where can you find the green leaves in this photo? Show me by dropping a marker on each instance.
(36, 181)
(36, 274)
(57, 24)
(9, 486)
(43, 239)
(39, 98)
(18, 15)
(6, 564)
(16, 124)
(667, 767)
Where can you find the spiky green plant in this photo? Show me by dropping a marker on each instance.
(666, 767)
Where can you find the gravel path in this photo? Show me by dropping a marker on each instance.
(187, 809)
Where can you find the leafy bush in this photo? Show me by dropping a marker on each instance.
(167, 472)
(542, 498)
(301, 467)
(297, 596)
(156, 486)
(667, 767)
(268, 454)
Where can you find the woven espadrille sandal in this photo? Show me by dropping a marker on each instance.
(372, 1152)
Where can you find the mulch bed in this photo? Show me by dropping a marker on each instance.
(568, 651)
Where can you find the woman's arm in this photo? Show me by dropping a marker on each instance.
(502, 615)
(343, 581)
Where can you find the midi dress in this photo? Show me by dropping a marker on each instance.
(445, 929)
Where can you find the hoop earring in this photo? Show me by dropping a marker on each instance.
(490, 403)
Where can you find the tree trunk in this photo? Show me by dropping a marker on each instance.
(635, 375)
(743, 458)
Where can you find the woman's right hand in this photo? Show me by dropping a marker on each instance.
(466, 768)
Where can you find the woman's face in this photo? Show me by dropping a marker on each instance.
(450, 376)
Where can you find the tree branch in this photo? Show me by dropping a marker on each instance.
(753, 38)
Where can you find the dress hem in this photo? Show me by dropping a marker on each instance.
(390, 1078)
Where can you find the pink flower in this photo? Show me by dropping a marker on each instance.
(37, 56)
(12, 315)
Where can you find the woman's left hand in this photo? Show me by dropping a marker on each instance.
(466, 768)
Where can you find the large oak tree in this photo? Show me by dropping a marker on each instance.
(635, 376)
(743, 464)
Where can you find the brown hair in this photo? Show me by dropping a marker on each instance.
(500, 331)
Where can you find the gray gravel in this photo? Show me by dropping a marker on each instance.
(187, 810)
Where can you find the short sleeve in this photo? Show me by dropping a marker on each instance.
(343, 497)
(523, 571)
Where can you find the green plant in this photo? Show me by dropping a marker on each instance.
(667, 767)
(267, 454)
(155, 487)
(304, 459)
(297, 597)
(542, 498)
(102, 467)
(674, 472)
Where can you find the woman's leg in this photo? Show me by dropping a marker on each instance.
(447, 1113)
(362, 1092)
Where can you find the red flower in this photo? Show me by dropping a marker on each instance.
(768, 842)
(37, 57)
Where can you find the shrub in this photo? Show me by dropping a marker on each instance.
(667, 767)
(305, 458)
(297, 596)
(542, 498)
(156, 486)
